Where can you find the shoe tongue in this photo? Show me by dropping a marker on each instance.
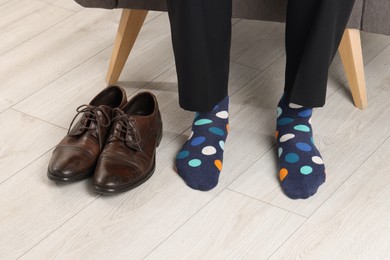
(105, 108)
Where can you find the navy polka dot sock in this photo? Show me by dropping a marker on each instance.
(302, 170)
(199, 162)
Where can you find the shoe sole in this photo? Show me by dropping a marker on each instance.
(60, 179)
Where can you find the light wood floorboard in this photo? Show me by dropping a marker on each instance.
(32, 207)
(20, 145)
(58, 61)
(44, 58)
(64, 95)
(2, 2)
(32, 18)
(66, 4)
(264, 45)
(231, 226)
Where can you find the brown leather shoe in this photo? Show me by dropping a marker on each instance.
(128, 158)
(76, 155)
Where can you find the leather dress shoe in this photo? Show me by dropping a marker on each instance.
(75, 157)
(129, 156)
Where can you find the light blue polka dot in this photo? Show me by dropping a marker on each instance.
(203, 122)
(306, 170)
(305, 113)
(222, 145)
(195, 163)
(303, 147)
(312, 140)
(302, 128)
(217, 131)
(198, 140)
(292, 157)
(279, 111)
(280, 151)
(182, 155)
(285, 121)
(216, 107)
(196, 114)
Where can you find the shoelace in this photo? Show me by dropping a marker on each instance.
(91, 115)
(127, 128)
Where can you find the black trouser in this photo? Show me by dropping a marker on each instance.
(201, 36)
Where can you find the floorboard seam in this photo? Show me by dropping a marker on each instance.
(58, 6)
(24, 167)
(269, 204)
(37, 118)
(54, 230)
(37, 34)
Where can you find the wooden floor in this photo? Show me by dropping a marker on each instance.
(54, 56)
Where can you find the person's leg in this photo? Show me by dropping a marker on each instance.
(201, 35)
(313, 34)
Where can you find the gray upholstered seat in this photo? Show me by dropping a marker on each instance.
(376, 16)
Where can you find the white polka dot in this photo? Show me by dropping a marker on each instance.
(192, 133)
(286, 137)
(209, 150)
(223, 114)
(292, 105)
(317, 160)
(279, 112)
(310, 120)
(280, 151)
(222, 145)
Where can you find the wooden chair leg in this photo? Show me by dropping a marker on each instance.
(351, 55)
(128, 30)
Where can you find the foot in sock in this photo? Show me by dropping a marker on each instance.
(200, 160)
(302, 169)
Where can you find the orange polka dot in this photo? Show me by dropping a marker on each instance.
(218, 164)
(228, 128)
(283, 174)
(277, 134)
